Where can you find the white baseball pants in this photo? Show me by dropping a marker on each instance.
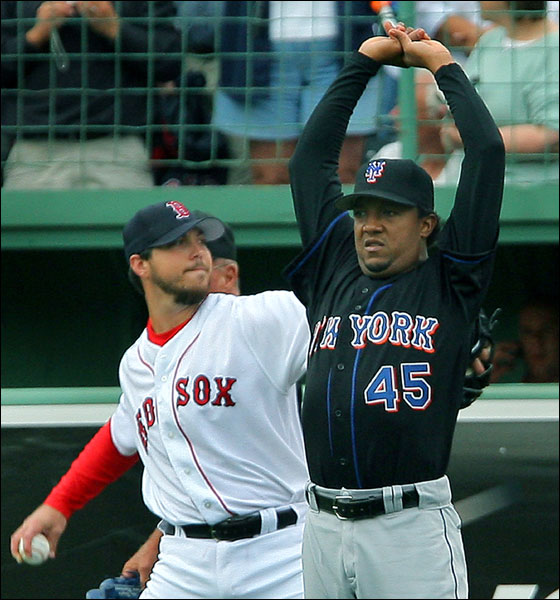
(266, 566)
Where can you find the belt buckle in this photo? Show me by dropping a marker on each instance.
(214, 533)
(224, 530)
(335, 507)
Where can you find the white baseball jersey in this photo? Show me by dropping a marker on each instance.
(213, 412)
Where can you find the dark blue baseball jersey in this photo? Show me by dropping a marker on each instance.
(388, 356)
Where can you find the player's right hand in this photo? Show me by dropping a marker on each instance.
(143, 560)
(388, 50)
(423, 52)
(46, 520)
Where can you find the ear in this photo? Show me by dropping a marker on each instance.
(138, 265)
(231, 278)
(427, 224)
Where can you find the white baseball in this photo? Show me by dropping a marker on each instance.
(39, 550)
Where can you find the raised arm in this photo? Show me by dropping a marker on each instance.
(313, 166)
(472, 227)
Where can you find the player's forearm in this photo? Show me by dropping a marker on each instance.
(476, 125)
(313, 166)
(98, 465)
(478, 199)
(325, 130)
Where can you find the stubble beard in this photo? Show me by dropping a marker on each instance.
(181, 295)
(378, 267)
(373, 268)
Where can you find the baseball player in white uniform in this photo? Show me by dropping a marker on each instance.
(209, 404)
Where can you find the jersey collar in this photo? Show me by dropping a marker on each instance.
(161, 338)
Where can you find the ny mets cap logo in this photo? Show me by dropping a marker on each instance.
(181, 210)
(374, 170)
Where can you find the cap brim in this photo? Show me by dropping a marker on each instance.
(211, 228)
(349, 201)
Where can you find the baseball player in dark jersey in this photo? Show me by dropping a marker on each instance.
(390, 325)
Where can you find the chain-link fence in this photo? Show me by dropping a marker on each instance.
(182, 93)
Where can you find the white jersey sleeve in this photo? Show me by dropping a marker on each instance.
(275, 329)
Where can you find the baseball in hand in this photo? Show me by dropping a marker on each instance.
(39, 550)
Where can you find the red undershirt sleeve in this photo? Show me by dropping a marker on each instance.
(97, 465)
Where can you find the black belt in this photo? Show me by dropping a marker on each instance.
(346, 507)
(234, 528)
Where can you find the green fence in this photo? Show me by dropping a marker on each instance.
(159, 79)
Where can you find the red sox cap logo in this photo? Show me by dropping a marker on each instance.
(181, 210)
(374, 170)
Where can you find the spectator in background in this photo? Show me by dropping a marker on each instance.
(186, 149)
(76, 79)
(533, 358)
(292, 51)
(515, 68)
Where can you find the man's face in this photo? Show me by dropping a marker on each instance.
(389, 237)
(538, 333)
(224, 278)
(183, 268)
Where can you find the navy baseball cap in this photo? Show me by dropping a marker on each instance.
(163, 223)
(224, 246)
(397, 179)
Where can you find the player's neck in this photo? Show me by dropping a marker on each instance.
(166, 317)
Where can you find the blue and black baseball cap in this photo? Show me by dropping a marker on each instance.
(397, 179)
(162, 223)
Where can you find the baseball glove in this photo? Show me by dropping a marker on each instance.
(481, 339)
(117, 587)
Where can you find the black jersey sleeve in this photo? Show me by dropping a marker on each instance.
(472, 228)
(313, 167)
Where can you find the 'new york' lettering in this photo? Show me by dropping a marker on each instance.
(398, 329)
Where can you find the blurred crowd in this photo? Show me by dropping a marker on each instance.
(133, 94)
